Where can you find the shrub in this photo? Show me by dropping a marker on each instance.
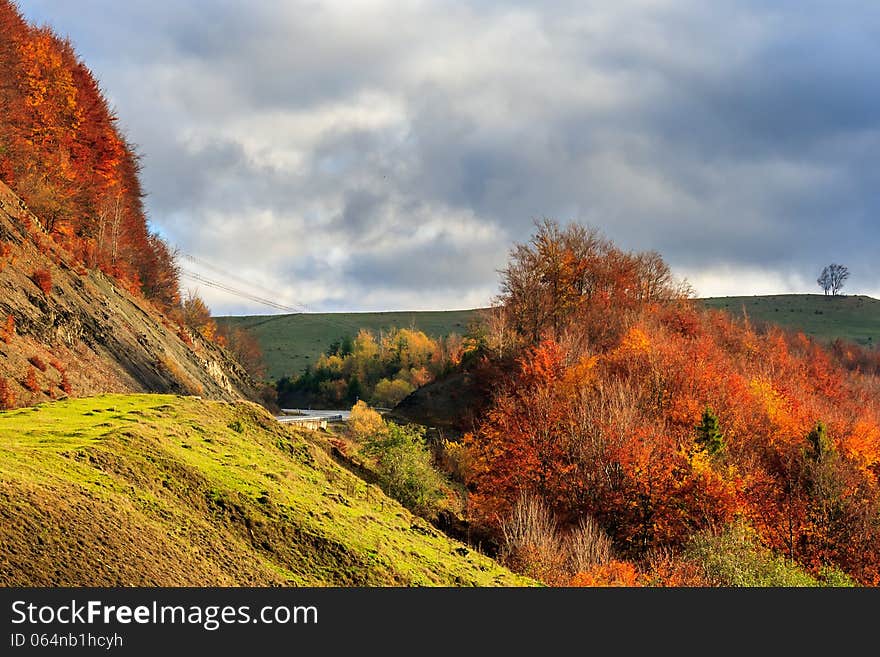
(734, 558)
(390, 393)
(43, 279)
(530, 541)
(7, 395)
(364, 422)
(65, 384)
(8, 329)
(666, 567)
(455, 459)
(615, 573)
(30, 380)
(534, 545)
(834, 577)
(404, 466)
(58, 365)
(184, 335)
(38, 362)
(269, 397)
(587, 546)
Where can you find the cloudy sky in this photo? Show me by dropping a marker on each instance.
(359, 155)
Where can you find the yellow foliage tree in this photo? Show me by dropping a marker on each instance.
(365, 422)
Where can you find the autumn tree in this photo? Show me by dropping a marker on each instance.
(61, 150)
(7, 395)
(244, 348)
(615, 428)
(572, 278)
(30, 380)
(197, 316)
(381, 368)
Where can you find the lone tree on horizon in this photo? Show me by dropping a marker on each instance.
(833, 278)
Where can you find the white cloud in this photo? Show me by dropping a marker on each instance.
(371, 155)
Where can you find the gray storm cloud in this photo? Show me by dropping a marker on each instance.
(357, 155)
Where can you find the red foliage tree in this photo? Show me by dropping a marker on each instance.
(607, 428)
(62, 152)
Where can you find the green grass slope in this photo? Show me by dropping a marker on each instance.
(291, 342)
(166, 490)
(853, 318)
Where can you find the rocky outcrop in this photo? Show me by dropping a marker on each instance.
(80, 333)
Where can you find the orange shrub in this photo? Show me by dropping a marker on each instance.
(8, 329)
(7, 395)
(185, 336)
(5, 250)
(615, 573)
(30, 380)
(43, 279)
(38, 362)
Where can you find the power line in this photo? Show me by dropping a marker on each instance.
(347, 327)
(301, 307)
(239, 293)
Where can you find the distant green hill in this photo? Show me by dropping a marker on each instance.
(853, 318)
(291, 342)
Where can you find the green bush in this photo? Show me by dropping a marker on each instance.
(835, 577)
(404, 466)
(734, 558)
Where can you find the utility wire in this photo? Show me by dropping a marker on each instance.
(239, 293)
(299, 309)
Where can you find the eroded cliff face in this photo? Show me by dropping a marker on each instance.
(76, 332)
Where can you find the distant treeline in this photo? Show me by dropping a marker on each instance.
(380, 368)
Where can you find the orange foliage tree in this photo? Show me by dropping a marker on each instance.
(62, 152)
(613, 424)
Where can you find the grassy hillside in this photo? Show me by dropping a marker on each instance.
(292, 342)
(854, 318)
(168, 490)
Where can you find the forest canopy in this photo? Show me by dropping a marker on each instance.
(622, 407)
(62, 152)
